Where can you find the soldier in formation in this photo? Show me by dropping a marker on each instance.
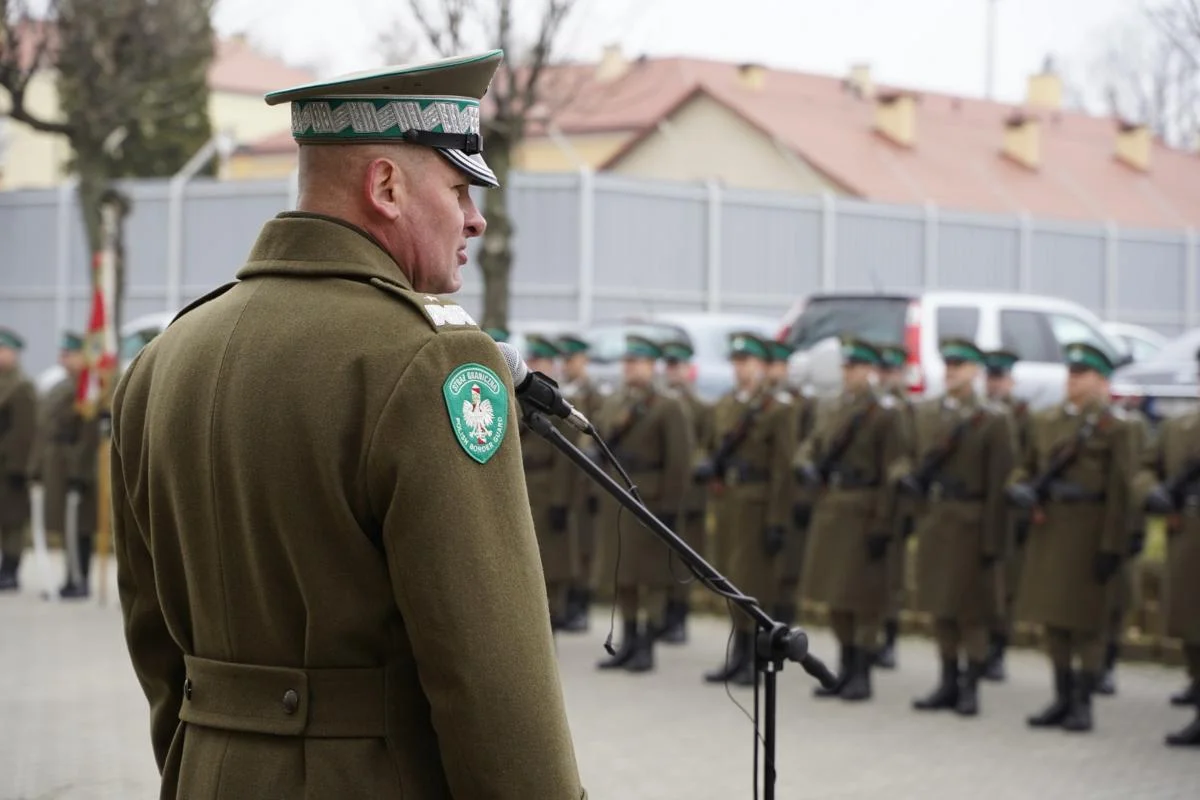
(892, 381)
(849, 460)
(18, 416)
(679, 374)
(1168, 484)
(548, 480)
(962, 458)
(753, 440)
(1075, 481)
(648, 431)
(578, 388)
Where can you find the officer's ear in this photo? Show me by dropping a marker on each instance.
(383, 186)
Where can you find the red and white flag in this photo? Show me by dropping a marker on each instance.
(100, 345)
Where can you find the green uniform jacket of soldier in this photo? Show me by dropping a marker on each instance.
(648, 432)
(65, 452)
(758, 485)
(861, 503)
(18, 421)
(324, 505)
(549, 476)
(700, 418)
(1177, 444)
(961, 521)
(584, 494)
(1058, 581)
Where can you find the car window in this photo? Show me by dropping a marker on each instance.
(876, 319)
(1028, 334)
(1141, 349)
(957, 322)
(1068, 329)
(1181, 349)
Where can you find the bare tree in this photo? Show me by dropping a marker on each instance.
(452, 27)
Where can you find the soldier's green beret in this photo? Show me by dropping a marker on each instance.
(71, 342)
(779, 351)
(570, 345)
(1082, 354)
(857, 351)
(498, 334)
(961, 350)
(540, 347)
(745, 343)
(641, 347)
(678, 350)
(894, 356)
(435, 104)
(11, 339)
(1000, 362)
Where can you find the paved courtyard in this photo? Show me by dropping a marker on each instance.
(73, 724)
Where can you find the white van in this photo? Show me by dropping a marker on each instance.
(1034, 327)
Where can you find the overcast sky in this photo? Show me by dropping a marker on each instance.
(923, 44)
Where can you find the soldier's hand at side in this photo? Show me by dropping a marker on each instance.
(808, 475)
(1021, 495)
(909, 485)
(76, 485)
(703, 472)
(1159, 501)
(558, 519)
(1137, 543)
(801, 515)
(1106, 566)
(773, 539)
(877, 546)
(988, 560)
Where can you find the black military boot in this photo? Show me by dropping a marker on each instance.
(578, 604)
(885, 657)
(619, 659)
(675, 623)
(994, 666)
(643, 654)
(858, 688)
(1054, 714)
(1107, 684)
(946, 694)
(738, 653)
(968, 690)
(1079, 719)
(1188, 737)
(1188, 697)
(843, 675)
(8, 574)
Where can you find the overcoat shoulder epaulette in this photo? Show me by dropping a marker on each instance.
(440, 314)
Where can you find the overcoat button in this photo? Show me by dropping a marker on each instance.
(187, 688)
(291, 701)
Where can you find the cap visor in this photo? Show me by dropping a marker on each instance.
(474, 166)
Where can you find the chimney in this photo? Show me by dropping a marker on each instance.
(612, 64)
(752, 76)
(1133, 145)
(896, 117)
(1045, 89)
(859, 81)
(1023, 141)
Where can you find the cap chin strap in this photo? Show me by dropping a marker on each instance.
(469, 143)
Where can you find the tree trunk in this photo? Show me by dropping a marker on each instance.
(496, 253)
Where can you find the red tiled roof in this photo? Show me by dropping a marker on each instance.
(955, 163)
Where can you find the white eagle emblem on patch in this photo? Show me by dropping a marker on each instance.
(477, 411)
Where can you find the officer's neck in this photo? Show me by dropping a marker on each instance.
(749, 390)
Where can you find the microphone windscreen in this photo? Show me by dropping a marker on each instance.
(516, 364)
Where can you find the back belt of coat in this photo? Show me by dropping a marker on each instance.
(286, 701)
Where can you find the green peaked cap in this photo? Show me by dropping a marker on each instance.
(540, 347)
(779, 351)
(961, 350)
(860, 351)
(570, 345)
(1000, 362)
(641, 347)
(434, 104)
(745, 343)
(894, 356)
(677, 350)
(498, 334)
(11, 339)
(1082, 354)
(71, 342)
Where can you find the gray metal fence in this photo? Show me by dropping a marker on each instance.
(596, 246)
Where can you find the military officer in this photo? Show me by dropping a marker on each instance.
(64, 462)
(1076, 481)
(1168, 484)
(754, 436)
(679, 374)
(962, 458)
(579, 389)
(648, 432)
(18, 418)
(892, 381)
(332, 588)
(849, 459)
(1000, 391)
(549, 475)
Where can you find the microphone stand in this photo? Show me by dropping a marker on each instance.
(775, 643)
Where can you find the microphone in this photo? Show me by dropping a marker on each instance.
(540, 391)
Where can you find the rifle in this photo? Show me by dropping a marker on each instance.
(715, 467)
(1035, 492)
(1167, 497)
(818, 473)
(917, 482)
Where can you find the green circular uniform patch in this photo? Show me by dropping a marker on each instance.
(478, 404)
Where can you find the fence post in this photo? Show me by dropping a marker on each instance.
(62, 267)
(1190, 266)
(1111, 235)
(828, 241)
(929, 275)
(714, 245)
(1025, 252)
(587, 248)
(220, 144)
